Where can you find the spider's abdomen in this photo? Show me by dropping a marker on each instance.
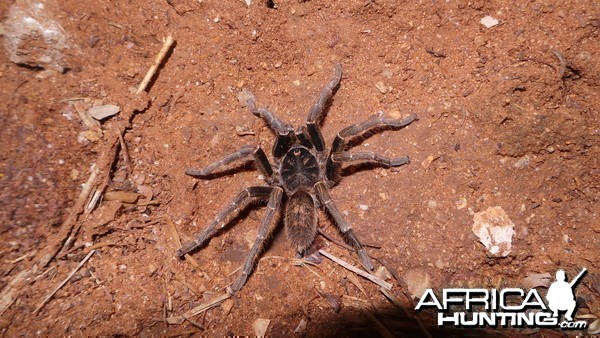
(301, 221)
(299, 169)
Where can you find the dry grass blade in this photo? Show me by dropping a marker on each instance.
(61, 284)
(175, 235)
(357, 271)
(198, 309)
(352, 278)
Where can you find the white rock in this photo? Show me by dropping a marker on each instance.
(495, 230)
(489, 21)
(32, 36)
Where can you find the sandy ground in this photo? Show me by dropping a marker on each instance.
(508, 119)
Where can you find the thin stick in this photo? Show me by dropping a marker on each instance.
(159, 58)
(67, 225)
(126, 157)
(357, 271)
(198, 309)
(61, 284)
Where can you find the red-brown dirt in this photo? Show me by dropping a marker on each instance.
(503, 121)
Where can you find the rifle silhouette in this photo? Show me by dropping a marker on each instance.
(574, 280)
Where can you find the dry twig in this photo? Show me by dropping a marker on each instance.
(159, 58)
(198, 309)
(357, 271)
(61, 284)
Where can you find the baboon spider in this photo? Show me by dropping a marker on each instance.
(303, 172)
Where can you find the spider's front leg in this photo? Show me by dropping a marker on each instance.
(343, 225)
(260, 159)
(338, 154)
(266, 227)
(316, 112)
(283, 130)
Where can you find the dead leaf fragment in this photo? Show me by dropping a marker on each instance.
(226, 306)
(104, 111)
(383, 273)
(123, 196)
(334, 301)
(106, 213)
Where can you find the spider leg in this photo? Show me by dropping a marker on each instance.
(373, 124)
(316, 112)
(266, 227)
(278, 126)
(284, 131)
(345, 156)
(342, 224)
(259, 158)
(240, 202)
(317, 109)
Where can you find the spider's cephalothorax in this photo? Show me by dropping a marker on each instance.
(304, 171)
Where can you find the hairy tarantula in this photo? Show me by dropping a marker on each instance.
(304, 172)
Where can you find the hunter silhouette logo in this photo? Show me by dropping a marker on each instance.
(561, 296)
(508, 307)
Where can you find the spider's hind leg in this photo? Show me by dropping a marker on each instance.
(343, 225)
(266, 227)
(233, 209)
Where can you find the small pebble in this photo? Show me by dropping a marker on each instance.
(381, 87)
(92, 40)
(301, 326)
(522, 162)
(461, 203)
(479, 41)
(363, 207)
(489, 21)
